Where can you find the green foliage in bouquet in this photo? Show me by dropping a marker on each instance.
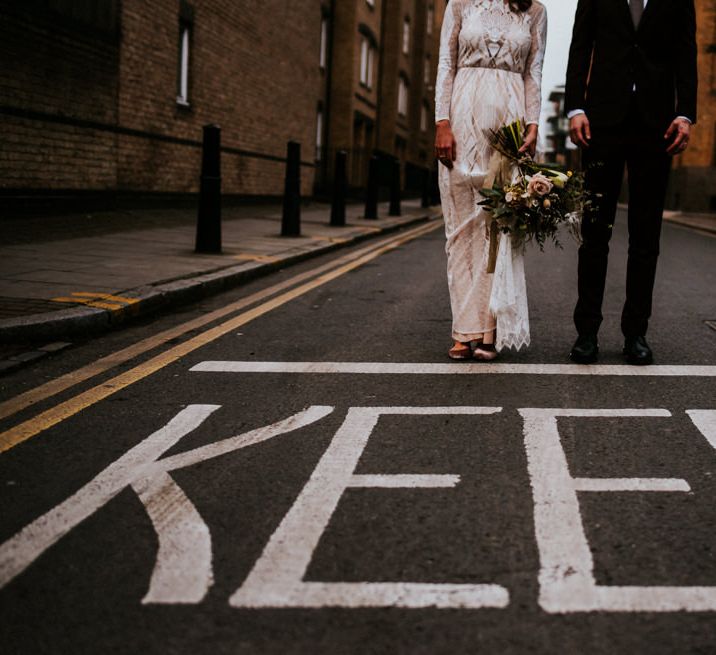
(541, 200)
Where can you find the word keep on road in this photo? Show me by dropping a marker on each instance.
(183, 568)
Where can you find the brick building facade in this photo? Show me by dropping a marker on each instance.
(59, 83)
(91, 98)
(381, 94)
(693, 179)
(108, 97)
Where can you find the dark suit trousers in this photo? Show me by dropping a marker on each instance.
(643, 150)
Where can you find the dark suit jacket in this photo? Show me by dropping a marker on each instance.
(608, 57)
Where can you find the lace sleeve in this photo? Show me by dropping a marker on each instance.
(447, 62)
(533, 68)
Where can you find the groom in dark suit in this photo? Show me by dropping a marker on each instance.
(631, 100)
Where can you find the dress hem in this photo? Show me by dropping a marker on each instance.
(464, 337)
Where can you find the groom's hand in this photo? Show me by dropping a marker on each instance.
(678, 133)
(579, 130)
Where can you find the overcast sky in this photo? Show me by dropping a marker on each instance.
(560, 18)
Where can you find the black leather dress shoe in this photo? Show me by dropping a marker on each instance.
(637, 351)
(585, 349)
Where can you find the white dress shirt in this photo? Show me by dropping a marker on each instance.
(576, 112)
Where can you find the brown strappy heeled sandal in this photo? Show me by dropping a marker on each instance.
(460, 351)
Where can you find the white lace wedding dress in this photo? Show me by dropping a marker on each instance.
(489, 74)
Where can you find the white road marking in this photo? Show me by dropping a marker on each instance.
(630, 484)
(463, 368)
(404, 481)
(184, 558)
(183, 568)
(18, 552)
(277, 577)
(705, 421)
(251, 438)
(182, 573)
(566, 577)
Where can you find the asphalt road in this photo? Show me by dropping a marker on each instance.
(150, 509)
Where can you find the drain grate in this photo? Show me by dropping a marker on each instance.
(711, 324)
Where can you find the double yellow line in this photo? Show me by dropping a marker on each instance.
(306, 282)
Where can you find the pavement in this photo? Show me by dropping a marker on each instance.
(67, 276)
(293, 466)
(702, 222)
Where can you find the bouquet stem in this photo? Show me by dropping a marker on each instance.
(494, 243)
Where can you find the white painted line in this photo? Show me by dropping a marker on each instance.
(277, 579)
(404, 481)
(463, 368)
(351, 595)
(631, 484)
(567, 412)
(459, 410)
(251, 438)
(18, 552)
(183, 568)
(566, 576)
(705, 421)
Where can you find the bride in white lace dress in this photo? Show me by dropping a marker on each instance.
(489, 74)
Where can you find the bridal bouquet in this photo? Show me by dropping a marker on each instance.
(528, 200)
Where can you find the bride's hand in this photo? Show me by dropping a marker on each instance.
(445, 144)
(530, 144)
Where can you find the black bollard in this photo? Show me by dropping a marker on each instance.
(371, 192)
(425, 198)
(395, 188)
(340, 183)
(208, 224)
(291, 221)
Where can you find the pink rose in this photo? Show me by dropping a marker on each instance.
(539, 185)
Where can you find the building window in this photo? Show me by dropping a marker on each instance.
(183, 81)
(367, 62)
(186, 23)
(364, 56)
(406, 35)
(368, 50)
(319, 134)
(424, 118)
(431, 20)
(323, 57)
(426, 71)
(402, 96)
